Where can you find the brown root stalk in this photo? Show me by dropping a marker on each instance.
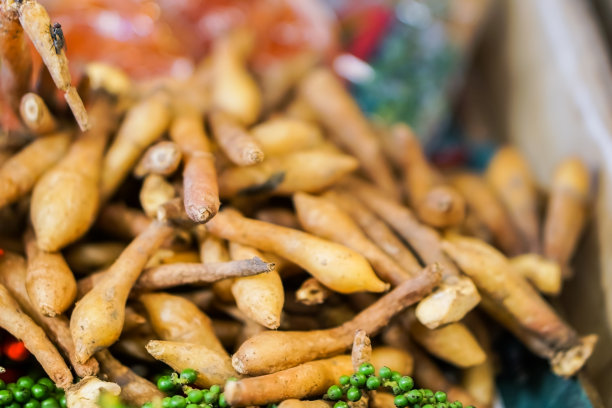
(312, 292)
(460, 294)
(163, 158)
(35, 114)
(234, 140)
(274, 351)
(337, 267)
(134, 389)
(50, 283)
(200, 189)
(176, 274)
(97, 319)
(375, 229)
(212, 367)
(12, 275)
(37, 25)
(517, 305)
(339, 112)
(22, 327)
(16, 70)
(566, 213)
(19, 173)
(311, 379)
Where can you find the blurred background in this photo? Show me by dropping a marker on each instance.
(467, 75)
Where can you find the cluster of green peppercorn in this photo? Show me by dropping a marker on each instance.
(27, 393)
(182, 395)
(352, 388)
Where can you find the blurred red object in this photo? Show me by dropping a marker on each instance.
(15, 350)
(147, 37)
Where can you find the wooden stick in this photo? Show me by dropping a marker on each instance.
(200, 189)
(337, 110)
(273, 351)
(12, 275)
(36, 115)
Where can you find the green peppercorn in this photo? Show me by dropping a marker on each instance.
(40, 391)
(195, 396)
(13, 405)
(22, 394)
(215, 388)
(427, 393)
(47, 383)
(32, 404)
(6, 397)
(334, 393)
(385, 372)
(400, 401)
(165, 383)
(440, 396)
(353, 394)
(414, 396)
(147, 405)
(178, 401)
(345, 380)
(190, 375)
(211, 397)
(222, 401)
(358, 380)
(428, 406)
(166, 402)
(373, 382)
(49, 403)
(456, 404)
(366, 369)
(395, 376)
(406, 383)
(25, 382)
(192, 406)
(2, 385)
(442, 405)
(340, 404)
